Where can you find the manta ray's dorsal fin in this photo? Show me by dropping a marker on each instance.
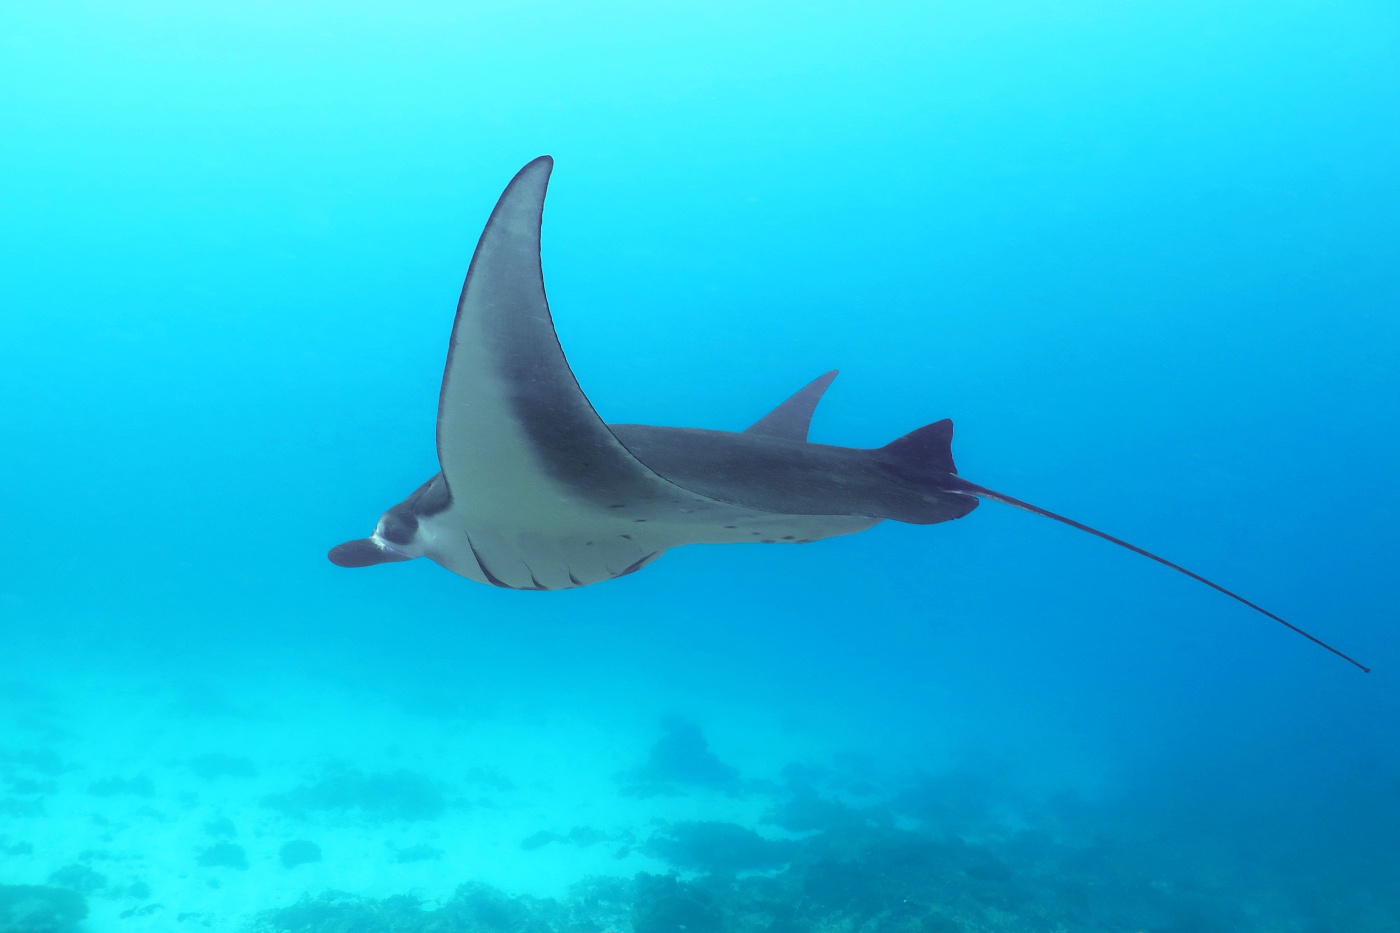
(792, 418)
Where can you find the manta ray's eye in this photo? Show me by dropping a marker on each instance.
(398, 526)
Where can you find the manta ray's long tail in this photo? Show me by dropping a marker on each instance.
(958, 484)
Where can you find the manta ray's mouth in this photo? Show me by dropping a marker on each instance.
(392, 551)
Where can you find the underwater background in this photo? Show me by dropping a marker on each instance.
(1144, 254)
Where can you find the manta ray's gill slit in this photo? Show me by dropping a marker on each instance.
(963, 485)
(490, 577)
(639, 563)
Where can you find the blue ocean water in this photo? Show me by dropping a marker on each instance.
(1142, 254)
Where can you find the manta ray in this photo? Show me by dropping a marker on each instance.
(536, 492)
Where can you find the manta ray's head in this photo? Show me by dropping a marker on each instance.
(397, 536)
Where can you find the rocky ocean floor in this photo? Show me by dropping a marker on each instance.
(945, 854)
(107, 828)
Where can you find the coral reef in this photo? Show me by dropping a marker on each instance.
(18, 807)
(32, 908)
(223, 855)
(475, 908)
(401, 795)
(220, 827)
(909, 863)
(680, 760)
(78, 878)
(42, 761)
(299, 852)
(717, 848)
